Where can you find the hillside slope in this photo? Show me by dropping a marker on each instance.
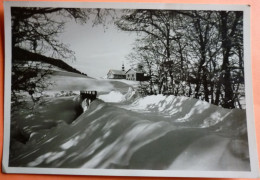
(24, 55)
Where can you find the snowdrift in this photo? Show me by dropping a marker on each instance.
(154, 132)
(113, 96)
(192, 112)
(116, 96)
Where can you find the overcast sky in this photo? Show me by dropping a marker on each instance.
(98, 49)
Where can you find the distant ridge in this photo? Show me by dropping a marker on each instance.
(24, 55)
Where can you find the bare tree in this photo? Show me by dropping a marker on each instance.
(36, 30)
(228, 28)
(157, 26)
(193, 53)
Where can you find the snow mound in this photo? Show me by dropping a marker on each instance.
(113, 96)
(176, 133)
(159, 103)
(116, 96)
(187, 110)
(131, 95)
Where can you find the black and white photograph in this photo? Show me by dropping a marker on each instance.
(128, 89)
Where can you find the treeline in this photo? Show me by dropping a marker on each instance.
(19, 54)
(189, 53)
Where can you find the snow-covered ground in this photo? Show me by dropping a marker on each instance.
(117, 97)
(70, 83)
(113, 96)
(129, 82)
(122, 130)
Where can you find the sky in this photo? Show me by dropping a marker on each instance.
(97, 48)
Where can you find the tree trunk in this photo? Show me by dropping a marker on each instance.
(228, 101)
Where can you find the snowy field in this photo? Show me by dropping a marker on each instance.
(121, 130)
(78, 82)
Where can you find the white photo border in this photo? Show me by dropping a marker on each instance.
(148, 173)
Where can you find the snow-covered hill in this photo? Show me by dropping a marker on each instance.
(154, 132)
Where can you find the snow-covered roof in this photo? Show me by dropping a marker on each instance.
(119, 72)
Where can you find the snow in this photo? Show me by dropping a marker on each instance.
(29, 116)
(212, 151)
(159, 103)
(70, 143)
(69, 83)
(116, 96)
(85, 104)
(113, 96)
(122, 130)
(48, 158)
(184, 110)
(129, 82)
